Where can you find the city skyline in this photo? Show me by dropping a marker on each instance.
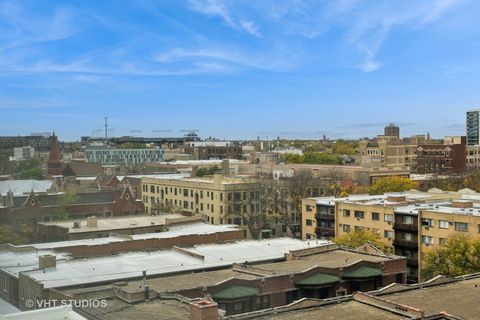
(238, 70)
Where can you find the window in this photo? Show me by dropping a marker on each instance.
(407, 219)
(443, 224)
(442, 241)
(407, 236)
(427, 240)
(461, 226)
(388, 217)
(308, 208)
(238, 307)
(358, 228)
(309, 222)
(359, 214)
(346, 228)
(427, 222)
(346, 213)
(388, 234)
(375, 216)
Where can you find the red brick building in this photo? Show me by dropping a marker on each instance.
(442, 158)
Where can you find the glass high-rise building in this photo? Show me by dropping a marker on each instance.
(473, 127)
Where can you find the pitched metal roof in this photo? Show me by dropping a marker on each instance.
(318, 279)
(235, 292)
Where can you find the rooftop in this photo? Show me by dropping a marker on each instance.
(201, 257)
(24, 186)
(174, 231)
(105, 224)
(57, 313)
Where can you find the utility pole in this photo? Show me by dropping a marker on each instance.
(106, 129)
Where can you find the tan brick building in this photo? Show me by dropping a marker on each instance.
(408, 224)
(220, 199)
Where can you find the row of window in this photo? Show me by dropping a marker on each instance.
(374, 215)
(386, 233)
(444, 224)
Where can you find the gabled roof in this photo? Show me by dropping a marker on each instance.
(82, 169)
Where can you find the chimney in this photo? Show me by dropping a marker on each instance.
(194, 171)
(47, 261)
(10, 202)
(226, 167)
(204, 310)
(92, 222)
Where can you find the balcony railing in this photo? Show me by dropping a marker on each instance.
(405, 226)
(326, 232)
(412, 262)
(325, 216)
(405, 243)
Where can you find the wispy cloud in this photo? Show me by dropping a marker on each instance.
(220, 9)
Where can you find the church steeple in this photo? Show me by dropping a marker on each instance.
(54, 164)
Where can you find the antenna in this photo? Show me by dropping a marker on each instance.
(106, 129)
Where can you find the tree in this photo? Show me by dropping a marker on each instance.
(341, 147)
(20, 234)
(358, 238)
(65, 202)
(459, 256)
(207, 171)
(313, 157)
(29, 169)
(392, 184)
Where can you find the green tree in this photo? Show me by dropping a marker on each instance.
(342, 147)
(64, 203)
(208, 171)
(132, 145)
(20, 234)
(358, 238)
(29, 169)
(312, 157)
(392, 184)
(459, 256)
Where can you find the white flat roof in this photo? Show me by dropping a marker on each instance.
(131, 265)
(24, 186)
(57, 313)
(105, 224)
(13, 261)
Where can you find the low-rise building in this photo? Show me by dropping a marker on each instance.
(322, 272)
(128, 157)
(44, 281)
(33, 207)
(93, 227)
(205, 150)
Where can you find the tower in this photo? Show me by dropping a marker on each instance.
(473, 127)
(54, 164)
(392, 130)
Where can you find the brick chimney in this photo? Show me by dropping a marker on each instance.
(92, 222)
(204, 310)
(47, 261)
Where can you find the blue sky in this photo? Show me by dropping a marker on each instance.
(239, 69)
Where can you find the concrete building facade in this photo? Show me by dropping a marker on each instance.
(128, 157)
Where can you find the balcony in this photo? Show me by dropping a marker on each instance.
(405, 243)
(412, 262)
(406, 227)
(325, 216)
(325, 232)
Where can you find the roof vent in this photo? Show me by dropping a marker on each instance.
(76, 224)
